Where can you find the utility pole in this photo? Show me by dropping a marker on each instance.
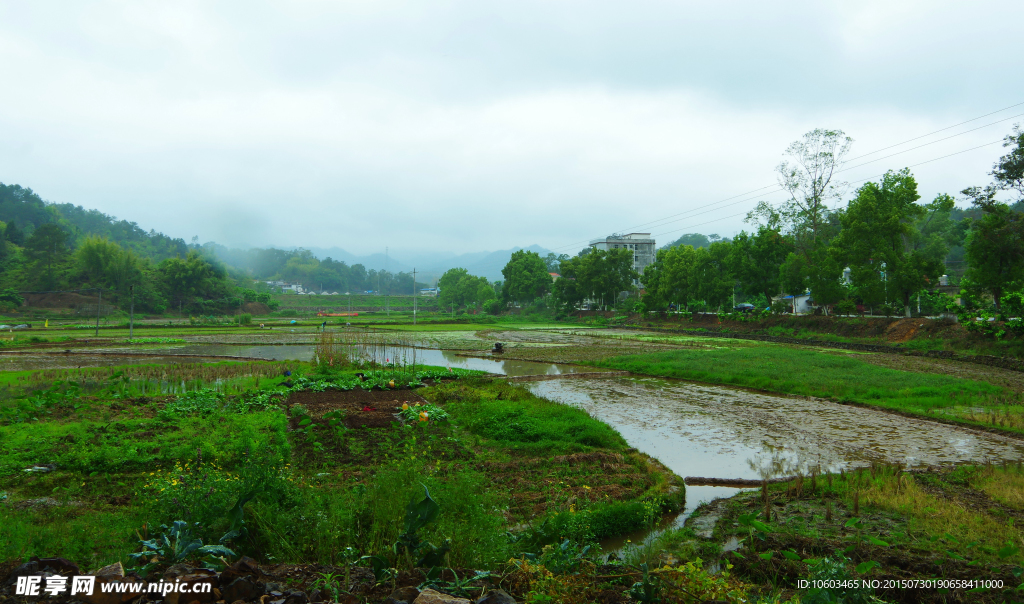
(387, 283)
(98, 305)
(131, 316)
(414, 295)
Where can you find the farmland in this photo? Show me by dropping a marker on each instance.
(322, 469)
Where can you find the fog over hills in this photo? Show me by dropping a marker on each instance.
(429, 265)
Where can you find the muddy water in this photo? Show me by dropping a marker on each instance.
(718, 432)
(192, 353)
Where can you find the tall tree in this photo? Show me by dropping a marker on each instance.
(526, 277)
(675, 276)
(1009, 170)
(757, 260)
(994, 247)
(48, 246)
(883, 242)
(186, 278)
(712, 274)
(808, 177)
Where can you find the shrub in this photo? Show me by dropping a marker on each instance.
(846, 307)
(244, 319)
(204, 494)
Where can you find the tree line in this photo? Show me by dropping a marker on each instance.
(882, 249)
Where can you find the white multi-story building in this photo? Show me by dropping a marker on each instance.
(641, 244)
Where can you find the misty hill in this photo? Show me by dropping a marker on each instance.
(23, 211)
(26, 211)
(429, 265)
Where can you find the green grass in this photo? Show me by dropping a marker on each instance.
(813, 372)
(124, 463)
(514, 419)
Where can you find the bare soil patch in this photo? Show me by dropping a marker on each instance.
(363, 408)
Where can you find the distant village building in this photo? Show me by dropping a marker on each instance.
(284, 286)
(642, 245)
(804, 302)
(555, 277)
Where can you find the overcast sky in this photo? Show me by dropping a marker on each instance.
(470, 126)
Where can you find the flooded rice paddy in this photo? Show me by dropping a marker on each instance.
(198, 352)
(694, 429)
(719, 432)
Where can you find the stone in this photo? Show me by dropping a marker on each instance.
(245, 567)
(496, 596)
(192, 592)
(315, 596)
(113, 573)
(61, 566)
(295, 597)
(28, 569)
(178, 570)
(403, 595)
(429, 596)
(243, 588)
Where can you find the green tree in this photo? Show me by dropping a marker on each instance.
(103, 262)
(712, 277)
(757, 260)
(554, 262)
(526, 277)
(883, 226)
(994, 248)
(1009, 170)
(674, 276)
(48, 247)
(450, 287)
(190, 277)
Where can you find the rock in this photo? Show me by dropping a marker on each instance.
(243, 588)
(113, 573)
(496, 596)
(404, 595)
(315, 597)
(272, 587)
(246, 567)
(192, 590)
(429, 596)
(178, 570)
(295, 597)
(28, 569)
(58, 565)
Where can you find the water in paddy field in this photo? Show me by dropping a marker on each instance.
(281, 352)
(720, 432)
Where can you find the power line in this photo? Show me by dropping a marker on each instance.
(854, 182)
(688, 213)
(973, 119)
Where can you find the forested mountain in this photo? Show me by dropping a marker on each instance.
(24, 209)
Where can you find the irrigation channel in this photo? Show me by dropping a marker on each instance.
(693, 429)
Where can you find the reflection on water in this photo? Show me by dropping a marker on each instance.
(279, 352)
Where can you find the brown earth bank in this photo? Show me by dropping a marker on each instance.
(247, 581)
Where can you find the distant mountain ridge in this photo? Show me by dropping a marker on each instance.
(430, 265)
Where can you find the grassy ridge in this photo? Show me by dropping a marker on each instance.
(834, 375)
